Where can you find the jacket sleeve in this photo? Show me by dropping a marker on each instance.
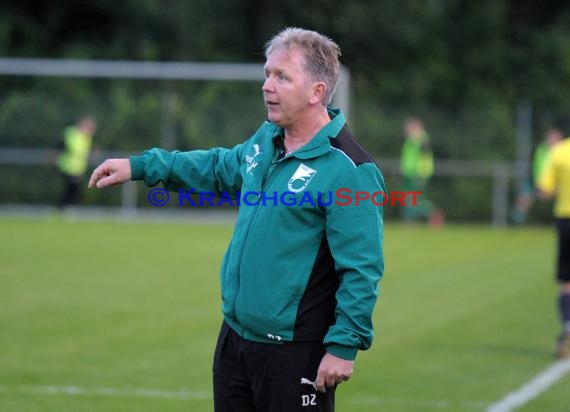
(355, 237)
(216, 170)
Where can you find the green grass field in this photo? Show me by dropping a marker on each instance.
(111, 316)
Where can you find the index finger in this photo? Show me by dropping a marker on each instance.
(97, 174)
(320, 383)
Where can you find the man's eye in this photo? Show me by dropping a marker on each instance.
(281, 76)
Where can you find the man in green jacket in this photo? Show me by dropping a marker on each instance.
(300, 277)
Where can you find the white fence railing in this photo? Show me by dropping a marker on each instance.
(128, 69)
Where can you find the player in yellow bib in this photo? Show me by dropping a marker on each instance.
(555, 182)
(73, 161)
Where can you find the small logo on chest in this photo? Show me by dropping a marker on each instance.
(301, 178)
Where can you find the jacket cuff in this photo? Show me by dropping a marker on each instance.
(343, 352)
(137, 167)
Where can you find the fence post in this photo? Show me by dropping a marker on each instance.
(129, 198)
(342, 98)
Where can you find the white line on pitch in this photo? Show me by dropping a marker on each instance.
(73, 390)
(419, 403)
(126, 392)
(532, 389)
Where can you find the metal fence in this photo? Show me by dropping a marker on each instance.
(500, 174)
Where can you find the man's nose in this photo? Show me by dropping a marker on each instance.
(267, 85)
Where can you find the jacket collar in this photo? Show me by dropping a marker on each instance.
(320, 143)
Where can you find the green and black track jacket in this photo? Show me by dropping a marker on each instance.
(304, 263)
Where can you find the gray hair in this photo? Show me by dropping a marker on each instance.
(320, 52)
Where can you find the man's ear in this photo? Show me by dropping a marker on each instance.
(319, 91)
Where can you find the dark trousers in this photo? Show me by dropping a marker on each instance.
(263, 377)
(563, 264)
(71, 190)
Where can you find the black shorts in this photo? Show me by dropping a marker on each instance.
(265, 377)
(563, 267)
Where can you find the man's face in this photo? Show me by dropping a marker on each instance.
(286, 90)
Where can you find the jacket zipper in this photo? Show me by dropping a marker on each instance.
(274, 164)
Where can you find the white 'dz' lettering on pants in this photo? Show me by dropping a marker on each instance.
(309, 400)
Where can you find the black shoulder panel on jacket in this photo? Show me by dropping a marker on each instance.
(346, 142)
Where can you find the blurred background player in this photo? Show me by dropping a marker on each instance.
(73, 161)
(555, 181)
(416, 166)
(525, 197)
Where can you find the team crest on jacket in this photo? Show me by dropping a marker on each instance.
(301, 178)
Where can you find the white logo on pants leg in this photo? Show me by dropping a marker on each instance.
(305, 381)
(309, 400)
